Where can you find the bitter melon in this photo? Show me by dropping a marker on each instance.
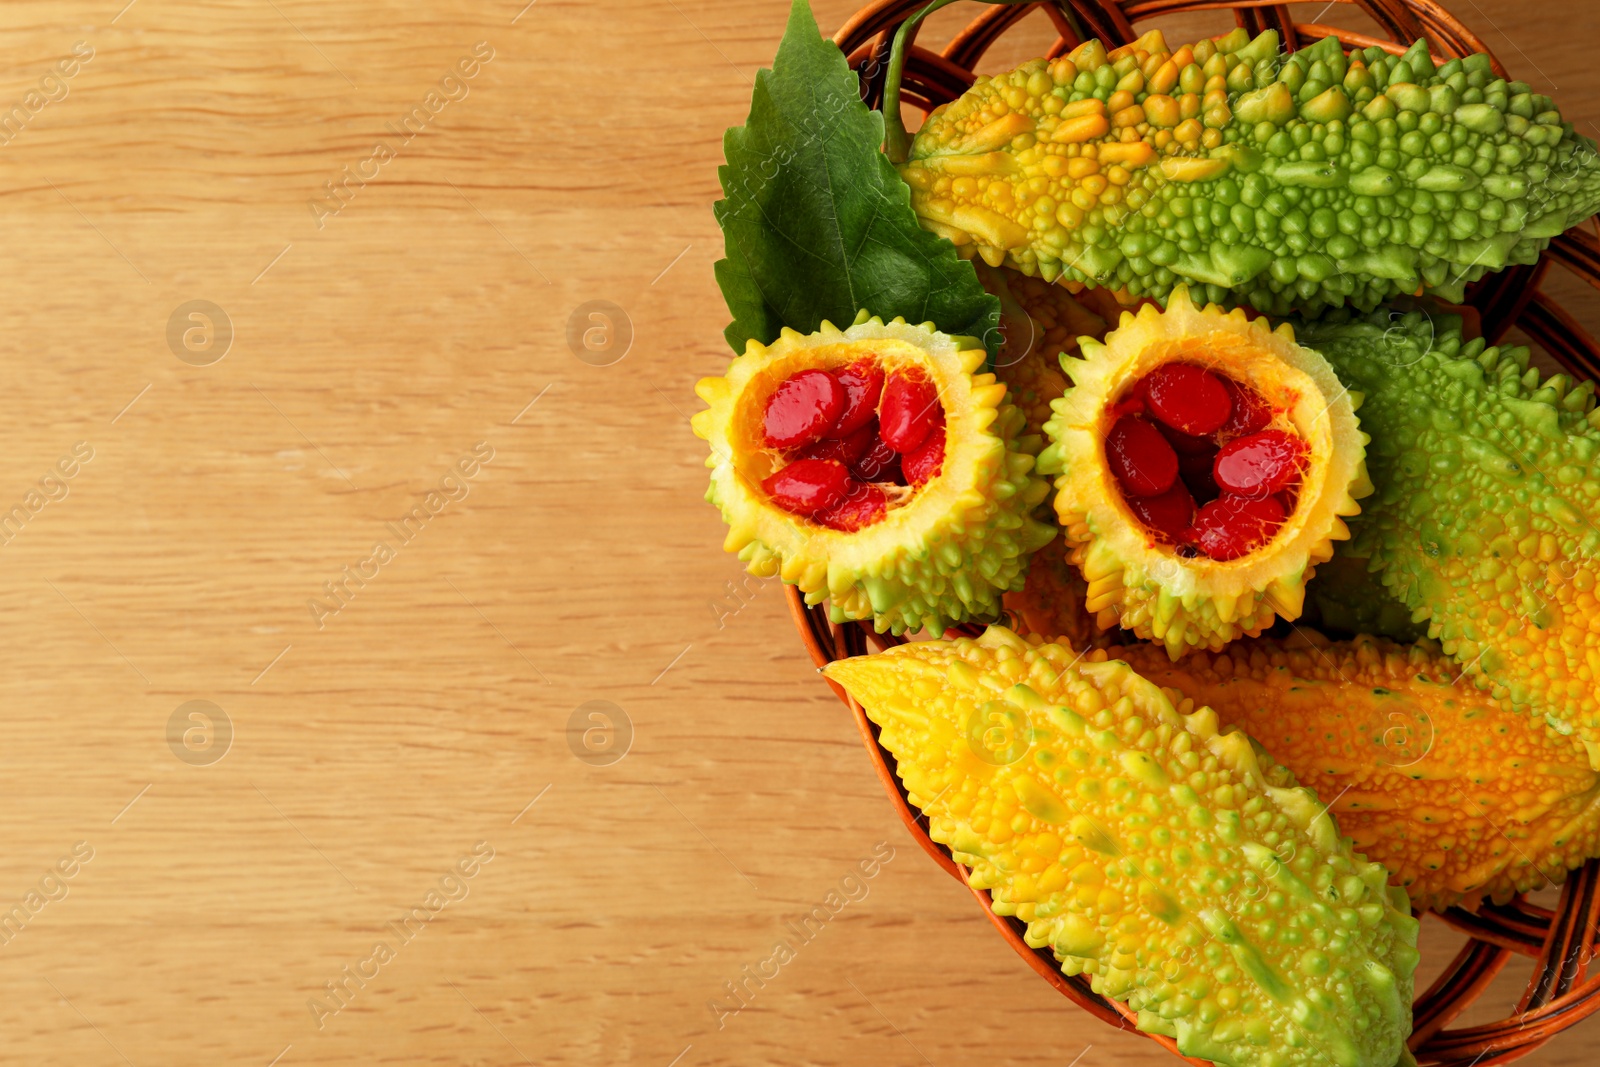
(874, 467)
(1170, 573)
(1347, 598)
(1053, 602)
(1302, 181)
(1179, 868)
(1457, 797)
(1042, 322)
(1484, 519)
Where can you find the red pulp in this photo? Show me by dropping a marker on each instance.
(807, 486)
(1195, 472)
(1259, 464)
(1250, 412)
(1188, 398)
(924, 461)
(1140, 457)
(879, 463)
(845, 449)
(1185, 435)
(862, 506)
(802, 409)
(863, 384)
(1168, 514)
(1184, 444)
(908, 410)
(853, 441)
(1233, 526)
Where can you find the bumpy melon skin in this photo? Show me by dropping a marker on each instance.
(1305, 181)
(1142, 846)
(1457, 797)
(1145, 586)
(1042, 322)
(947, 555)
(1347, 597)
(1053, 602)
(1486, 518)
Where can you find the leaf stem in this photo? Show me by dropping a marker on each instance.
(896, 142)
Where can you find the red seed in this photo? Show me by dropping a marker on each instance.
(844, 449)
(1195, 473)
(879, 463)
(863, 383)
(1260, 464)
(1132, 404)
(1250, 412)
(908, 411)
(1140, 457)
(802, 409)
(1233, 526)
(808, 485)
(1188, 398)
(862, 505)
(1184, 444)
(1168, 514)
(926, 460)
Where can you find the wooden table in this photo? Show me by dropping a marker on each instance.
(368, 505)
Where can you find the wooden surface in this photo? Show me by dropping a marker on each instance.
(376, 747)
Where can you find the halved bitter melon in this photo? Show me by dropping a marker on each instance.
(902, 492)
(1179, 868)
(1180, 403)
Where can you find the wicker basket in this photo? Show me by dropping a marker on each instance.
(1560, 942)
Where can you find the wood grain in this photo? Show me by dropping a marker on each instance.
(376, 747)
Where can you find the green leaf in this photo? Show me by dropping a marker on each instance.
(816, 223)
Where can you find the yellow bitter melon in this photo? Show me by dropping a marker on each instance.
(1175, 865)
(946, 550)
(1135, 579)
(1456, 796)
